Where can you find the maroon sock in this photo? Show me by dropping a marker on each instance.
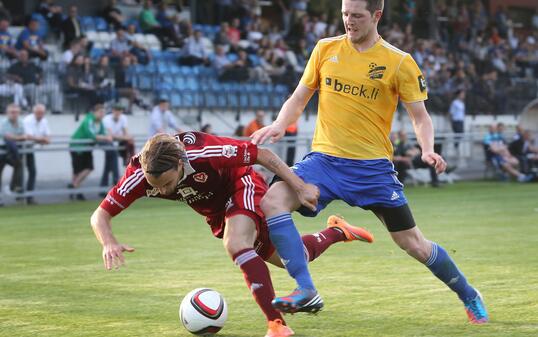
(258, 281)
(315, 244)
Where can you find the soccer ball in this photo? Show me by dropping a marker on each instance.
(203, 311)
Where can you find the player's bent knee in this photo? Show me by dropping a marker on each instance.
(234, 245)
(271, 205)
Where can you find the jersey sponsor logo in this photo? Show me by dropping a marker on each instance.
(422, 83)
(187, 192)
(200, 177)
(376, 72)
(363, 91)
(189, 138)
(229, 151)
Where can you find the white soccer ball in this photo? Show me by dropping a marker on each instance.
(203, 311)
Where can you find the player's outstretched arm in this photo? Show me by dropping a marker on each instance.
(290, 112)
(101, 222)
(308, 194)
(422, 123)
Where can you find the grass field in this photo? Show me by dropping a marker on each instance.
(52, 282)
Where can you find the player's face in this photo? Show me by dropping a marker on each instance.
(167, 183)
(358, 21)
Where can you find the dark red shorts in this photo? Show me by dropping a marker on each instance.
(246, 199)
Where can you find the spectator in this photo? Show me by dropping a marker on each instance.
(90, 131)
(162, 119)
(103, 78)
(194, 52)
(113, 15)
(11, 135)
(7, 43)
(71, 27)
(525, 150)
(37, 130)
(52, 13)
(80, 79)
(75, 48)
(14, 91)
(234, 32)
(256, 124)
(457, 115)
(499, 156)
(116, 125)
(29, 39)
(120, 46)
(149, 24)
(403, 155)
(25, 72)
(124, 85)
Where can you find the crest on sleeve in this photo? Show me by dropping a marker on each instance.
(422, 83)
(229, 151)
(200, 177)
(189, 138)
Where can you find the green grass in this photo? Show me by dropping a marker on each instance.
(52, 282)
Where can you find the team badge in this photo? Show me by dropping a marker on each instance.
(422, 83)
(200, 177)
(189, 138)
(229, 151)
(376, 72)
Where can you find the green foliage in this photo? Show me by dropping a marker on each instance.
(52, 281)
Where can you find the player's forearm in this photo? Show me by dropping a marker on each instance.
(274, 164)
(102, 226)
(290, 113)
(424, 131)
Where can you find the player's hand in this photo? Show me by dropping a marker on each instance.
(113, 255)
(273, 131)
(308, 196)
(434, 160)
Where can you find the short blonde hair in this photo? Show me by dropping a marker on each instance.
(161, 153)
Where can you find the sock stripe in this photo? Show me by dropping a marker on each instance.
(433, 255)
(245, 257)
(278, 219)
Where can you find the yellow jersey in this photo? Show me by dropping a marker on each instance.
(358, 95)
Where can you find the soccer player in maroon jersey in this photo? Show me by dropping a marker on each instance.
(214, 176)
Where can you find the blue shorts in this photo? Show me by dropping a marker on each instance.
(362, 183)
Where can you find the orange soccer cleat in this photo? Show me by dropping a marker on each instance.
(352, 233)
(277, 328)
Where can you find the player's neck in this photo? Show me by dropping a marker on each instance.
(368, 42)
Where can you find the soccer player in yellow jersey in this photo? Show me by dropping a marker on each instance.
(360, 78)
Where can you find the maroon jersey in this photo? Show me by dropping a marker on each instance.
(212, 169)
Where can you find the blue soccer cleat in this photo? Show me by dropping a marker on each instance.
(476, 310)
(300, 300)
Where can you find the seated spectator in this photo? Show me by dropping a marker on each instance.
(103, 77)
(30, 76)
(37, 131)
(90, 131)
(194, 52)
(257, 123)
(162, 119)
(11, 135)
(116, 125)
(13, 90)
(124, 86)
(113, 15)
(149, 24)
(120, 47)
(7, 43)
(31, 42)
(139, 51)
(75, 48)
(52, 13)
(71, 27)
(79, 79)
(525, 150)
(498, 154)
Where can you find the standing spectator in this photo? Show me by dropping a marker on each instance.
(11, 134)
(162, 118)
(30, 40)
(457, 115)
(37, 130)
(256, 124)
(116, 125)
(7, 43)
(71, 27)
(113, 16)
(90, 130)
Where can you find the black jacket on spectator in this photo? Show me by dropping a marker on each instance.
(70, 32)
(28, 73)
